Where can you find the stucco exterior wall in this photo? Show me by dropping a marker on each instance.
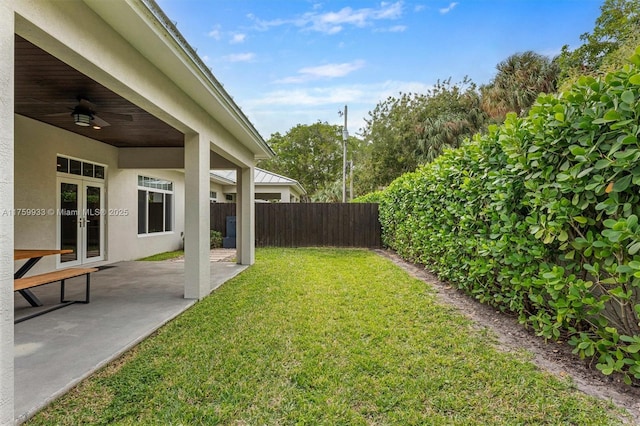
(6, 205)
(283, 191)
(218, 189)
(37, 146)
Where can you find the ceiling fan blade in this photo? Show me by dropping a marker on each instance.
(97, 121)
(58, 114)
(116, 116)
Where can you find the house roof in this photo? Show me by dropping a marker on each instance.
(261, 177)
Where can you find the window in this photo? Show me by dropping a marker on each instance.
(155, 205)
(213, 197)
(81, 168)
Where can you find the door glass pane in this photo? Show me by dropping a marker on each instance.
(69, 221)
(93, 223)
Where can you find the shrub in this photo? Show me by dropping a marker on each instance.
(540, 217)
(371, 197)
(215, 239)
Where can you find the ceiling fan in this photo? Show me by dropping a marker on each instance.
(85, 114)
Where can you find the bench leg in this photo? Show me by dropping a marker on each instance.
(63, 302)
(87, 292)
(30, 297)
(87, 289)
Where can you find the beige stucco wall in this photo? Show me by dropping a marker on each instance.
(6, 205)
(36, 148)
(284, 191)
(219, 190)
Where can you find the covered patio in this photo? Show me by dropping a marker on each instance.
(106, 107)
(129, 301)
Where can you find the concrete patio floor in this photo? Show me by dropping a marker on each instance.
(129, 301)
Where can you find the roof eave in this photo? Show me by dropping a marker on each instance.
(236, 122)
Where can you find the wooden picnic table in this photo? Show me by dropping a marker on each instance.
(32, 256)
(20, 254)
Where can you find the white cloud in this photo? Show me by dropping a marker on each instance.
(281, 110)
(340, 94)
(449, 8)
(394, 29)
(215, 33)
(335, 21)
(238, 38)
(240, 57)
(323, 72)
(308, 97)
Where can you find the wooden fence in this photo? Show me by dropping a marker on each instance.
(308, 224)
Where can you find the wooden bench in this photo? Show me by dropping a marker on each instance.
(53, 277)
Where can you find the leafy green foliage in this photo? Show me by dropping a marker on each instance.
(402, 133)
(615, 33)
(371, 197)
(311, 154)
(215, 239)
(540, 217)
(520, 79)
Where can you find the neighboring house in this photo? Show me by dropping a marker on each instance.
(269, 186)
(107, 112)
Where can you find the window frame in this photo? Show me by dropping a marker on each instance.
(150, 185)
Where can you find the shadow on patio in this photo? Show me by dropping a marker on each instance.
(129, 301)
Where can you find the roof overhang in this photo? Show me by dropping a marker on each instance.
(145, 26)
(51, 74)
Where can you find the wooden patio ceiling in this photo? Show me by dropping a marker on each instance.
(47, 90)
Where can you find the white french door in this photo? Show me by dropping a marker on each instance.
(80, 220)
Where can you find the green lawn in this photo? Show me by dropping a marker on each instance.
(163, 256)
(329, 337)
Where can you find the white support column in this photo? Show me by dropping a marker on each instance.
(197, 269)
(245, 217)
(6, 208)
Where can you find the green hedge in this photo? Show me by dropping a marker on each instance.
(540, 217)
(371, 197)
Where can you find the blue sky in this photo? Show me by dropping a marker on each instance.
(290, 62)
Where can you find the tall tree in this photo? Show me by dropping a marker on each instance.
(403, 132)
(519, 80)
(311, 154)
(616, 29)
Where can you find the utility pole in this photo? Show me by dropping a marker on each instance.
(345, 137)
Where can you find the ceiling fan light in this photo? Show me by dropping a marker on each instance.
(81, 119)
